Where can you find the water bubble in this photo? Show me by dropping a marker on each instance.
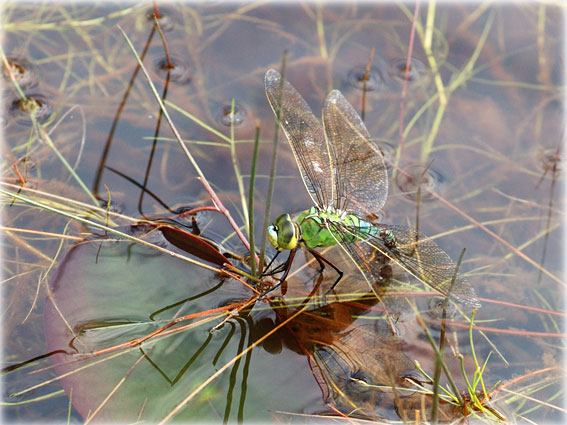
(179, 71)
(417, 70)
(416, 176)
(227, 116)
(24, 72)
(34, 104)
(358, 79)
(166, 18)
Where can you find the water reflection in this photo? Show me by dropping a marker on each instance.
(357, 355)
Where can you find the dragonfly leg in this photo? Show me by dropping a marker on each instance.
(280, 268)
(284, 276)
(322, 260)
(270, 263)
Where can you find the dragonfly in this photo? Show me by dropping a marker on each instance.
(347, 180)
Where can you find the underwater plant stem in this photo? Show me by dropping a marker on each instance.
(400, 152)
(42, 134)
(427, 46)
(432, 135)
(364, 81)
(186, 151)
(153, 149)
(321, 31)
(110, 137)
(457, 81)
(160, 116)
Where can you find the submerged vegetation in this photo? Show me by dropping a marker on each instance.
(142, 168)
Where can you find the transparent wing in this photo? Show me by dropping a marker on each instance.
(413, 251)
(430, 264)
(306, 137)
(363, 254)
(362, 177)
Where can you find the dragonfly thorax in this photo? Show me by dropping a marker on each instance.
(318, 227)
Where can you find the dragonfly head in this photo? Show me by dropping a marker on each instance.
(283, 233)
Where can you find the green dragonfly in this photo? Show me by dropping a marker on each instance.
(347, 180)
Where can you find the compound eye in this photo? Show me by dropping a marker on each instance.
(287, 237)
(273, 235)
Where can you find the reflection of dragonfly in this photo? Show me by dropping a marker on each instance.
(347, 180)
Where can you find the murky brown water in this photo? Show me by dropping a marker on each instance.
(491, 155)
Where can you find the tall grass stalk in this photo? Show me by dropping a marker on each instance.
(239, 181)
(251, 199)
(273, 165)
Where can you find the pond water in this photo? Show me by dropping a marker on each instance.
(472, 138)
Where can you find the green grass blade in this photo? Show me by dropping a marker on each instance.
(272, 167)
(251, 200)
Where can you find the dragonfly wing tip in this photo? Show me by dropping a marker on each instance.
(271, 75)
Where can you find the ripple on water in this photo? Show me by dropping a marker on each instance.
(388, 151)
(358, 79)
(167, 21)
(179, 71)
(34, 104)
(416, 176)
(416, 73)
(24, 72)
(228, 116)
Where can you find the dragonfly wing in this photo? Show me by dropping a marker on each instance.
(368, 257)
(306, 137)
(362, 178)
(426, 261)
(414, 252)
